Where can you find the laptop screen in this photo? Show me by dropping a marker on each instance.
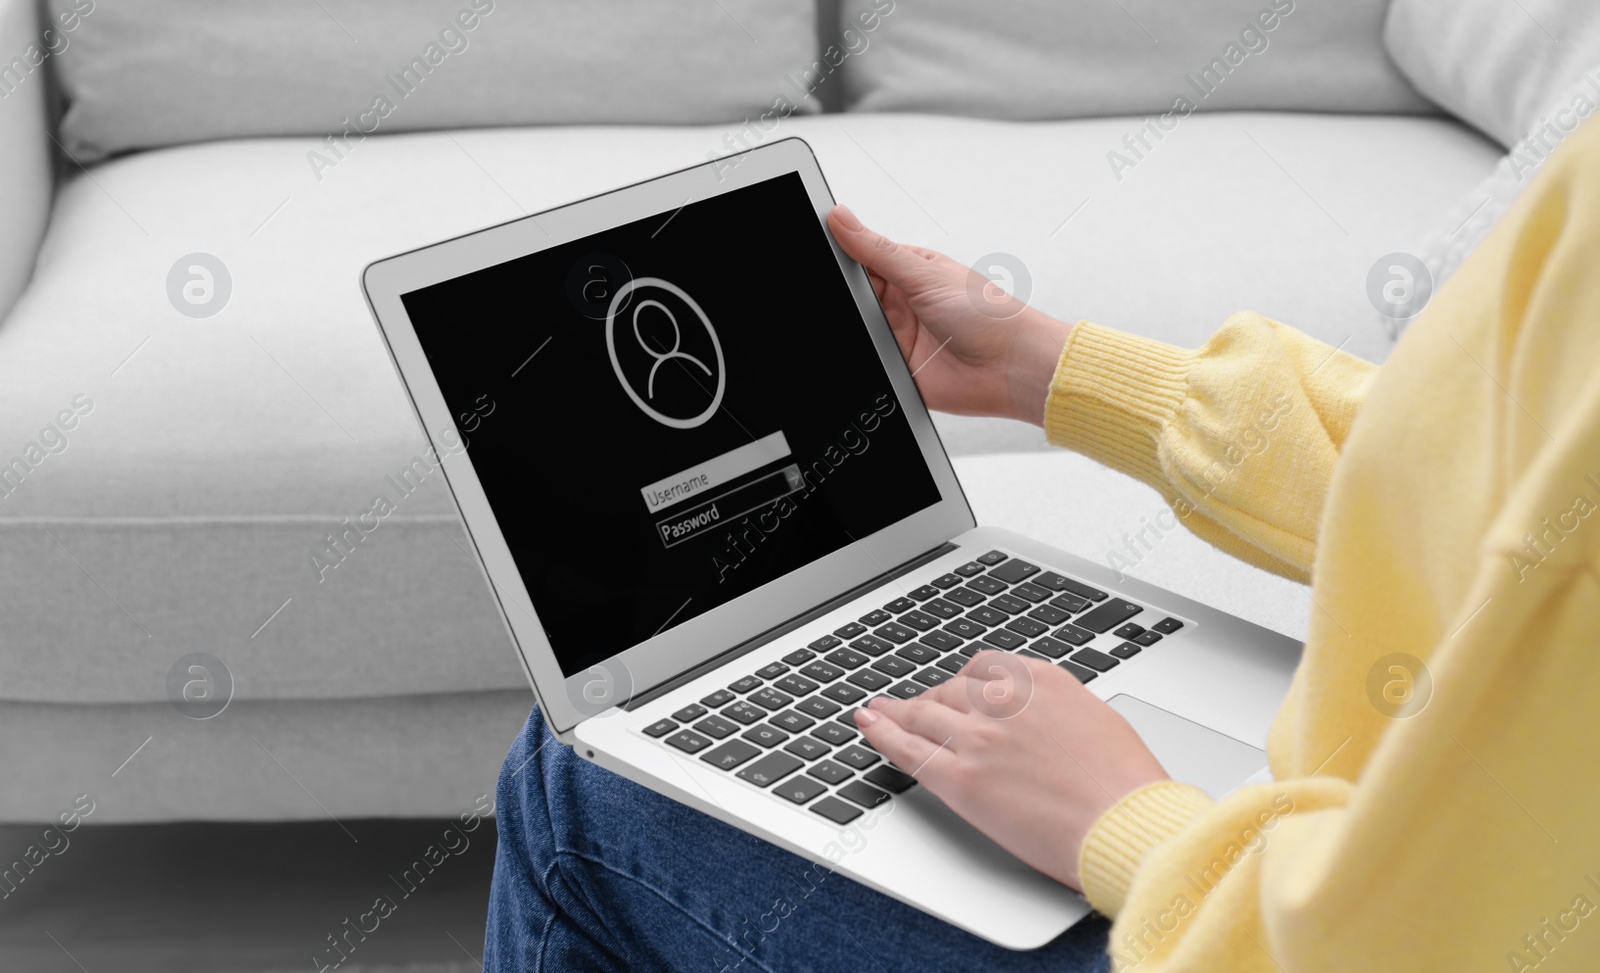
(671, 413)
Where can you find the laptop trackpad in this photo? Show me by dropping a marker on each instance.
(1192, 753)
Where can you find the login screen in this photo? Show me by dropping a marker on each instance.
(671, 413)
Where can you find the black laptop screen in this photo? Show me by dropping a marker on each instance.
(671, 413)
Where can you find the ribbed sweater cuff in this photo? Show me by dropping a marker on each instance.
(1118, 842)
(1111, 396)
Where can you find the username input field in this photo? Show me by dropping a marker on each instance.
(704, 477)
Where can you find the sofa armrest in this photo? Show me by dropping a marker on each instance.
(25, 159)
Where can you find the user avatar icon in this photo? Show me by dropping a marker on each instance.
(662, 331)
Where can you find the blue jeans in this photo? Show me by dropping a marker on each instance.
(594, 872)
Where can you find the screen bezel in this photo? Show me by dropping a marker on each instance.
(704, 637)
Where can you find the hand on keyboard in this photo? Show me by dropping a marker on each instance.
(1021, 749)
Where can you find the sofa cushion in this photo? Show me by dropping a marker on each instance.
(208, 458)
(1494, 64)
(1047, 59)
(162, 72)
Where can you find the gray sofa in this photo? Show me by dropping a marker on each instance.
(224, 422)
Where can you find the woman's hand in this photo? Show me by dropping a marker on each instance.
(975, 349)
(1020, 749)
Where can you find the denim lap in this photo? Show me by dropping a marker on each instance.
(596, 873)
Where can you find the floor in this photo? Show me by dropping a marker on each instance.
(245, 898)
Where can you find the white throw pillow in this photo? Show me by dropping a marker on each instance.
(160, 72)
(1055, 59)
(1494, 63)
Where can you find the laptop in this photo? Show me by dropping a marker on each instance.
(717, 519)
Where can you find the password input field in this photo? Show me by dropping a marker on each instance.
(703, 478)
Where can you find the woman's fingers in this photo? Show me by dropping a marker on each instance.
(924, 717)
(911, 752)
(899, 265)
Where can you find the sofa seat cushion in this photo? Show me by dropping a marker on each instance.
(209, 457)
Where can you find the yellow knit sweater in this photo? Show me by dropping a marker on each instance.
(1437, 761)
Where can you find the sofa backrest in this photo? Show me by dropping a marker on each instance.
(144, 73)
(1071, 58)
(25, 178)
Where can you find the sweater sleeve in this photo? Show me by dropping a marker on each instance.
(1239, 436)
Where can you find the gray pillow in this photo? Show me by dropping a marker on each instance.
(1071, 58)
(143, 73)
(1494, 63)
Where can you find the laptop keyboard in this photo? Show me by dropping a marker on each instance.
(789, 726)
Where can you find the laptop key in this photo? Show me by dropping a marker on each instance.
(1058, 582)
(719, 698)
(941, 608)
(660, 728)
(875, 617)
(848, 658)
(1070, 603)
(965, 597)
(1049, 614)
(743, 712)
(1147, 638)
(795, 685)
(1126, 650)
(924, 592)
(894, 666)
(987, 616)
(1002, 639)
(891, 779)
(1008, 604)
(850, 630)
(833, 733)
(964, 627)
(716, 726)
(1073, 634)
(765, 734)
(771, 699)
(824, 644)
(1049, 647)
(799, 789)
(829, 772)
(952, 663)
(691, 712)
(836, 810)
(1027, 627)
(931, 676)
(856, 757)
(901, 604)
(822, 671)
(746, 684)
(730, 754)
(1084, 675)
(918, 653)
(863, 794)
(844, 693)
(1014, 570)
(895, 632)
(868, 680)
(969, 569)
(943, 641)
(772, 671)
(907, 689)
(818, 707)
(1167, 626)
(1028, 591)
(871, 645)
(793, 721)
(688, 741)
(799, 657)
(993, 558)
(1129, 631)
(772, 768)
(806, 748)
(920, 621)
(1098, 661)
(986, 585)
(946, 581)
